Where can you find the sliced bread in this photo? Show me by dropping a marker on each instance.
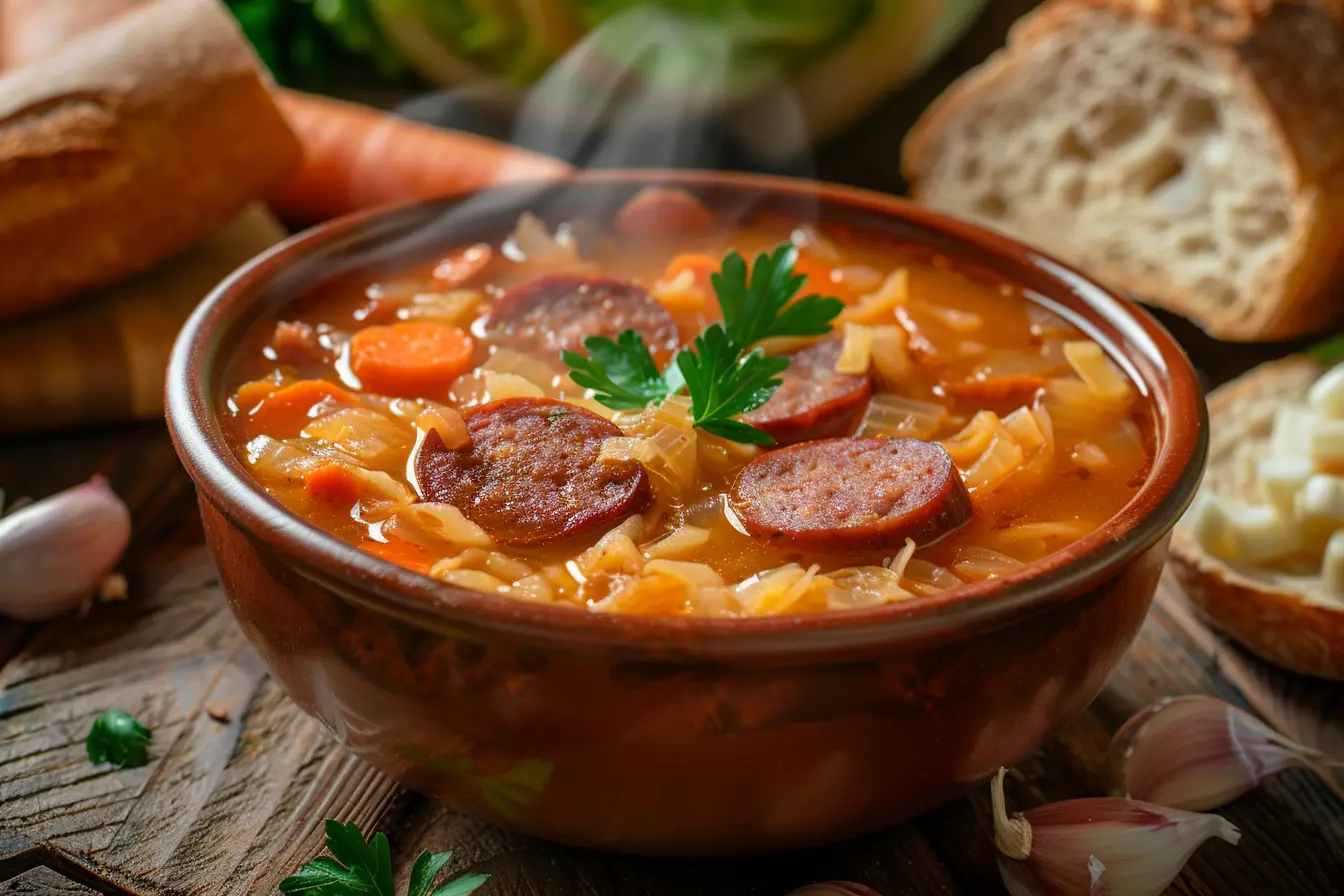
(1290, 620)
(1192, 153)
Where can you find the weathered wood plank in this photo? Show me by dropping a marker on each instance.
(231, 807)
(223, 807)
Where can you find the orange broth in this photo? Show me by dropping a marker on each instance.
(975, 350)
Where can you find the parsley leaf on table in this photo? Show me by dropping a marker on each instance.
(117, 737)
(622, 373)
(359, 868)
(724, 376)
(1328, 353)
(760, 308)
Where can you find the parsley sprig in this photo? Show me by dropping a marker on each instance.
(1329, 352)
(725, 375)
(364, 868)
(117, 737)
(760, 308)
(622, 373)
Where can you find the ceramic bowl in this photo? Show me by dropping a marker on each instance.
(679, 736)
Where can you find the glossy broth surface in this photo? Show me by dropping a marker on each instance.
(1047, 434)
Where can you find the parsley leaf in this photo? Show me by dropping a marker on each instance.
(723, 374)
(760, 308)
(462, 886)
(1328, 353)
(722, 386)
(117, 737)
(427, 867)
(359, 868)
(324, 876)
(622, 373)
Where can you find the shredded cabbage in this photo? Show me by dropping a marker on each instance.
(1094, 368)
(446, 522)
(856, 350)
(681, 540)
(880, 307)
(897, 417)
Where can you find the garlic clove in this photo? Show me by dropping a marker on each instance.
(1088, 847)
(56, 553)
(1197, 753)
(835, 888)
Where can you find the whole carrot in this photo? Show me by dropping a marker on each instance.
(357, 157)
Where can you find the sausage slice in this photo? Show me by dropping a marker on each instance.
(663, 211)
(554, 313)
(530, 472)
(813, 401)
(851, 494)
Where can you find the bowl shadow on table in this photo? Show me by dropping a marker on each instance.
(912, 857)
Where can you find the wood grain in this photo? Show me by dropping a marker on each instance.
(102, 358)
(231, 807)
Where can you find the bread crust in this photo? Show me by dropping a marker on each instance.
(1288, 58)
(31, 30)
(128, 145)
(1271, 619)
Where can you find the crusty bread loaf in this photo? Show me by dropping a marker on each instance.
(1287, 619)
(130, 144)
(31, 30)
(1175, 149)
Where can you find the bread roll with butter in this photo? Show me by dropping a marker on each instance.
(1261, 551)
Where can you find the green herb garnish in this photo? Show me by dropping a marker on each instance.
(721, 371)
(622, 372)
(760, 308)
(117, 737)
(722, 386)
(359, 868)
(1328, 353)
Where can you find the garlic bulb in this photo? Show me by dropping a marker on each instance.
(1088, 847)
(1198, 753)
(836, 888)
(55, 553)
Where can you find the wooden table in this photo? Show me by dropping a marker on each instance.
(240, 782)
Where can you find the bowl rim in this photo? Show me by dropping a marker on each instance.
(1178, 465)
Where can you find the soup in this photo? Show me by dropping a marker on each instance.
(666, 415)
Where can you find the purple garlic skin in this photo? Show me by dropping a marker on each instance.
(835, 888)
(1103, 846)
(55, 553)
(1198, 753)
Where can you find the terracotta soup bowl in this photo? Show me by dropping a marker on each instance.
(679, 736)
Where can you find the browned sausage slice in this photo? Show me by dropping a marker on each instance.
(813, 401)
(663, 211)
(556, 312)
(852, 494)
(530, 473)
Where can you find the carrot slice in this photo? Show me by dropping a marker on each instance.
(249, 395)
(818, 274)
(700, 266)
(996, 388)
(286, 411)
(464, 265)
(411, 359)
(356, 157)
(402, 553)
(334, 484)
